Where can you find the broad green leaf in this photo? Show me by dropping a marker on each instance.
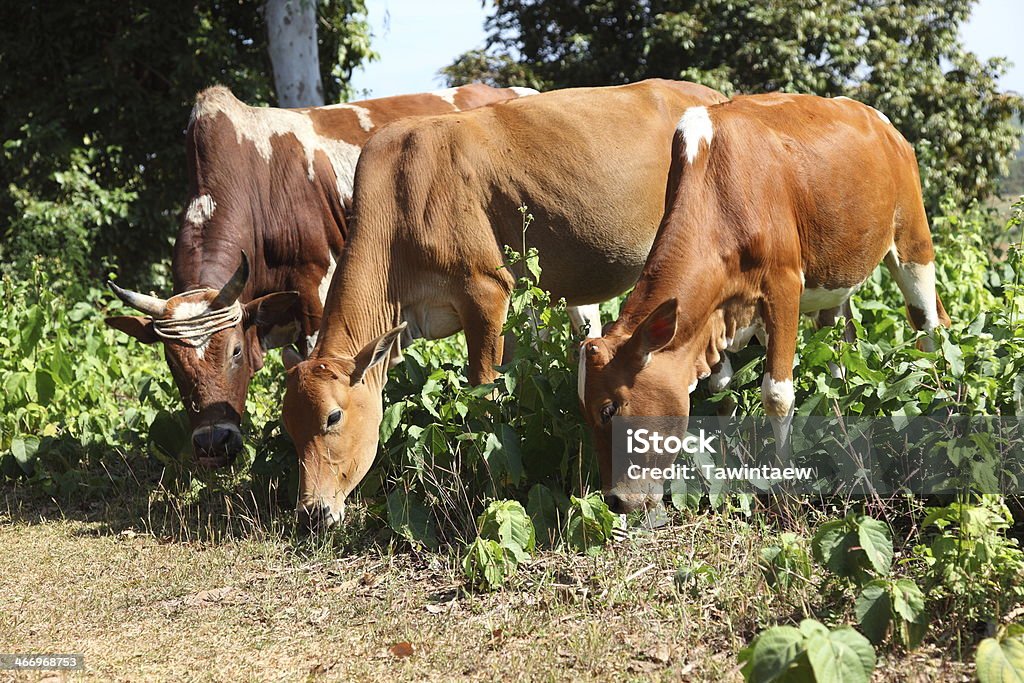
(544, 512)
(876, 540)
(1000, 660)
(771, 654)
(841, 656)
(874, 610)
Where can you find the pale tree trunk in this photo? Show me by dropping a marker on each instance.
(291, 33)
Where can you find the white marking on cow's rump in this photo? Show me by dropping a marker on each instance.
(581, 380)
(695, 126)
(524, 92)
(362, 114)
(325, 282)
(448, 95)
(200, 210)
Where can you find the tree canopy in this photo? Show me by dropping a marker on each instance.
(904, 58)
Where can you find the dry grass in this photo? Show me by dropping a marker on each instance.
(253, 603)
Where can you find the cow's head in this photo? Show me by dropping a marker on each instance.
(332, 410)
(213, 344)
(638, 374)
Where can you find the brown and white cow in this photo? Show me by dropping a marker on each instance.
(436, 200)
(777, 205)
(273, 184)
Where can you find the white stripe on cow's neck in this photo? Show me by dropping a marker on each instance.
(695, 126)
(581, 381)
(362, 113)
(259, 125)
(200, 210)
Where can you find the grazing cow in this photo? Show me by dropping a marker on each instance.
(273, 184)
(777, 205)
(435, 202)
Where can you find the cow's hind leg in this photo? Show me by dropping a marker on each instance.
(781, 313)
(911, 261)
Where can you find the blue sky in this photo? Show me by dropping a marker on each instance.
(416, 38)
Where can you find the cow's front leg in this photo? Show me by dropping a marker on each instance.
(483, 314)
(781, 312)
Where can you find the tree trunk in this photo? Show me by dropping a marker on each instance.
(291, 33)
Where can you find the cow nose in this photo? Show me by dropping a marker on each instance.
(614, 503)
(216, 446)
(316, 517)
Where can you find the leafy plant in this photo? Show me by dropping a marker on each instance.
(786, 564)
(855, 548)
(898, 603)
(811, 652)
(506, 538)
(590, 524)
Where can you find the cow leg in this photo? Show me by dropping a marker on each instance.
(911, 262)
(827, 317)
(781, 313)
(483, 315)
(586, 319)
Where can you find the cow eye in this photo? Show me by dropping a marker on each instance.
(237, 352)
(334, 417)
(608, 411)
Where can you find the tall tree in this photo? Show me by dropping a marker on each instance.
(905, 58)
(291, 37)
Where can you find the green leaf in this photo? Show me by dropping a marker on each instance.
(876, 541)
(842, 656)
(484, 564)
(1000, 660)
(506, 522)
(45, 387)
(31, 329)
(392, 418)
(874, 610)
(408, 517)
(908, 600)
(24, 450)
(771, 654)
(544, 512)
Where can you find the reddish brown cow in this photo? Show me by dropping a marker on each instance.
(777, 205)
(436, 200)
(272, 184)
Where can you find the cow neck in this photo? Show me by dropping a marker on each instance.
(363, 301)
(686, 262)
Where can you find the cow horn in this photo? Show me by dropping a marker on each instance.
(141, 302)
(230, 292)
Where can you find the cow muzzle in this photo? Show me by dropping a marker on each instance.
(216, 445)
(318, 516)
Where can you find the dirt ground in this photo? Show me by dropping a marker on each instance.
(260, 605)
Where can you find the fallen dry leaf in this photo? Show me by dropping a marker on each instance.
(401, 650)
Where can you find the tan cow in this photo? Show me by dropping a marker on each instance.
(436, 200)
(273, 184)
(777, 205)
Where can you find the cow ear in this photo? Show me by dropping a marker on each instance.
(276, 317)
(376, 352)
(140, 327)
(290, 357)
(656, 331)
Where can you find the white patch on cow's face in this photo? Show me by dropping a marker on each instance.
(448, 95)
(695, 126)
(819, 298)
(362, 113)
(190, 309)
(325, 283)
(200, 210)
(260, 125)
(523, 92)
(581, 380)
